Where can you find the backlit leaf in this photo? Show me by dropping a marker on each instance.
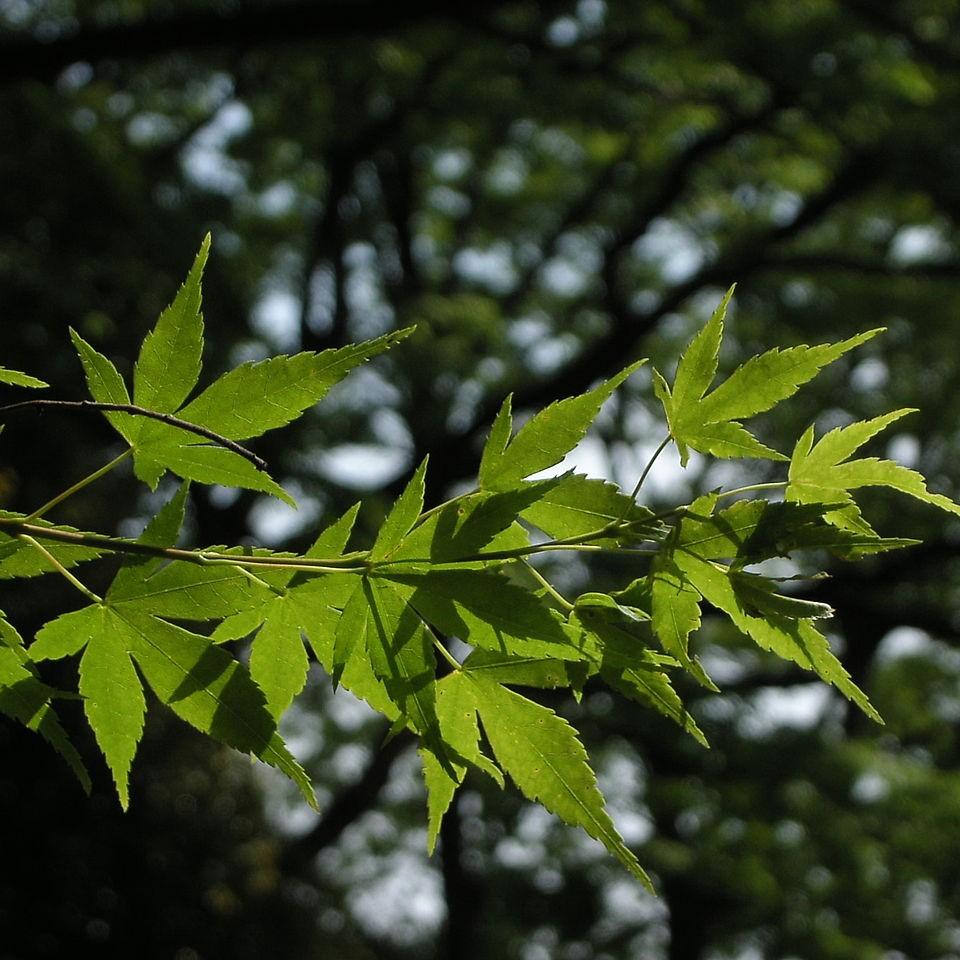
(544, 757)
(17, 379)
(823, 473)
(113, 700)
(169, 363)
(261, 396)
(545, 439)
(707, 422)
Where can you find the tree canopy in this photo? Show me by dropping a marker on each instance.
(547, 190)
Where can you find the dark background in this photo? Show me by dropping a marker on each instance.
(547, 190)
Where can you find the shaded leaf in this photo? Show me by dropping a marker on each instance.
(26, 699)
(460, 735)
(205, 686)
(401, 653)
(577, 505)
(472, 525)
(794, 640)
(543, 672)
(486, 610)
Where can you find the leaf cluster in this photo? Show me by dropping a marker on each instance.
(223, 636)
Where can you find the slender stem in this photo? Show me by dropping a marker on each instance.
(80, 484)
(354, 563)
(549, 587)
(446, 654)
(100, 541)
(253, 578)
(136, 411)
(776, 485)
(669, 513)
(60, 568)
(649, 466)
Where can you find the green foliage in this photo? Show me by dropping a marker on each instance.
(380, 620)
(707, 422)
(18, 379)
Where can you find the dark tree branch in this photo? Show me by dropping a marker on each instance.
(848, 264)
(461, 939)
(350, 804)
(327, 240)
(249, 26)
(397, 177)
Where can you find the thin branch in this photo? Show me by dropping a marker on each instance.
(550, 588)
(447, 655)
(646, 470)
(136, 411)
(107, 544)
(80, 485)
(60, 568)
(750, 488)
(351, 563)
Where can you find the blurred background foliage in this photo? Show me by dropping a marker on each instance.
(548, 189)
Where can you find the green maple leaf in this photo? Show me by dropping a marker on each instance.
(261, 396)
(791, 639)
(779, 624)
(544, 440)
(17, 379)
(198, 680)
(245, 402)
(542, 672)
(823, 472)
(168, 366)
(461, 532)
(486, 610)
(621, 638)
(177, 590)
(546, 760)
(707, 422)
(113, 695)
(578, 505)
(343, 654)
(278, 658)
(379, 625)
(460, 735)
(675, 613)
(402, 516)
